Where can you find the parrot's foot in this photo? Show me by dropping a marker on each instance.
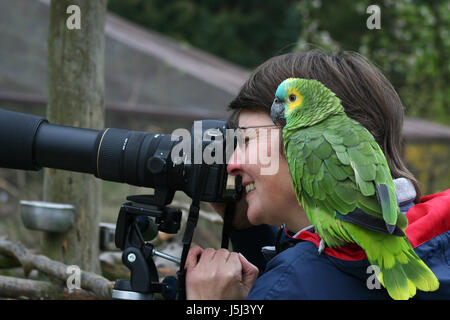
(321, 246)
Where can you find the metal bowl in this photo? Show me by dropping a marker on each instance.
(47, 216)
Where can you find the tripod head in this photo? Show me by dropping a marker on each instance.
(137, 254)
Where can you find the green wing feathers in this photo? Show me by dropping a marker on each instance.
(336, 165)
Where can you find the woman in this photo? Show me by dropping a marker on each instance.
(294, 270)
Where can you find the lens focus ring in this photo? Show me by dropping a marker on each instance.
(110, 154)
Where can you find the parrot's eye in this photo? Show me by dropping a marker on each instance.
(292, 97)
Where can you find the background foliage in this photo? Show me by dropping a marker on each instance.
(411, 47)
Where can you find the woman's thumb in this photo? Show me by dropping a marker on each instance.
(249, 272)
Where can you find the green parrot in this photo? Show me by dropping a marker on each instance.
(343, 182)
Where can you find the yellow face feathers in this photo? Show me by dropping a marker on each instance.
(303, 102)
(294, 99)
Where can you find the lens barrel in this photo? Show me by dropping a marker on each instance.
(29, 143)
(17, 132)
(130, 157)
(67, 148)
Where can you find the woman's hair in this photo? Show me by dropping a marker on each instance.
(366, 95)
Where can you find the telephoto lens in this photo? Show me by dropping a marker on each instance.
(142, 159)
(29, 143)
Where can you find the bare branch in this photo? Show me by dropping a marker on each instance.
(100, 286)
(11, 287)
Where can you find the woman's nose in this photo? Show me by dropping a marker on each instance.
(234, 163)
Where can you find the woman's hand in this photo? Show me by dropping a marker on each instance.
(218, 275)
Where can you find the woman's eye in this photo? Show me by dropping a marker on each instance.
(292, 97)
(243, 141)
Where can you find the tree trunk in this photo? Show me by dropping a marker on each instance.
(76, 98)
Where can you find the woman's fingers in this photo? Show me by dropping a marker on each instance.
(192, 258)
(218, 274)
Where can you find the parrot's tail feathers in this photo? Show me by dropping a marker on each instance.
(419, 273)
(401, 271)
(405, 275)
(397, 284)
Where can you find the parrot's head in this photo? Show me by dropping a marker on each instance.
(303, 103)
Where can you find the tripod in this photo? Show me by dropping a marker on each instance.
(140, 213)
(137, 254)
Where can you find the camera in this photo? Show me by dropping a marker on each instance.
(159, 161)
(142, 159)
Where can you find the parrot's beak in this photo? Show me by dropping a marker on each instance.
(277, 113)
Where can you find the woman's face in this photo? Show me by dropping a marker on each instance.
(265, 174)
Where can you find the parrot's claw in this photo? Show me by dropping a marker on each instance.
(321, 246)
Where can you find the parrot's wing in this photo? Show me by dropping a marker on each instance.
(338, 166)
(371, 170)
(320, 181)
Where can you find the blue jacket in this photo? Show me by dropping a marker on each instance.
(296, 271)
